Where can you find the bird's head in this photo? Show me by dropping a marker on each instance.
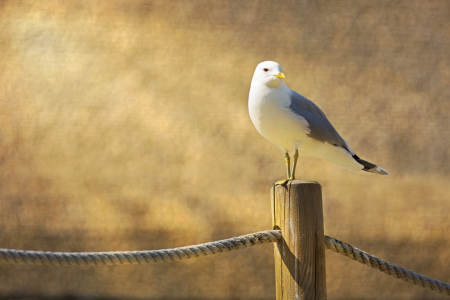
(269, 73)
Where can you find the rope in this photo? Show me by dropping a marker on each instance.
(386, 267)
(176, 254)
(136, 257)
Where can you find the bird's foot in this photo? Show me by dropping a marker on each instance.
(282, 182)
(292, 178)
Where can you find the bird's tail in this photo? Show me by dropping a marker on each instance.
(370, 167)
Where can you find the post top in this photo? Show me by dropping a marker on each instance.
(300, 182)
(303, 182)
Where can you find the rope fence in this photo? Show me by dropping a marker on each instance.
(386, 267)
(168, 255)
(137, 257)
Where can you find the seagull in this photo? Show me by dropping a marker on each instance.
(296, 125)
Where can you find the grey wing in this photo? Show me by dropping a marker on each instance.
(319, 126)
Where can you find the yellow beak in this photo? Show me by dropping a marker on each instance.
(280, 75)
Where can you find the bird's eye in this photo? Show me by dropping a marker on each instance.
(265, 69)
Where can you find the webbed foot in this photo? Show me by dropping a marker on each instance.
(281, 182)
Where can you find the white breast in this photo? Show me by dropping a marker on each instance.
(270, 113)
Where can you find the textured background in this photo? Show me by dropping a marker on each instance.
(124, 126)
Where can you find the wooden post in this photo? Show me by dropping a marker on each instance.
(300, 256)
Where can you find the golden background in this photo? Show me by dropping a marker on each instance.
(124, 126)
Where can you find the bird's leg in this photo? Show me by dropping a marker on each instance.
(288, 164)
(287, 158)
(295, 165)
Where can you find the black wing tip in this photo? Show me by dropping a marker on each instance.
(370, 167)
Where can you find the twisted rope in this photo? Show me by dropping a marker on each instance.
(386, 267)
(136, 257)
(176, 254)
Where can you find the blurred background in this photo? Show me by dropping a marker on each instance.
(124, 126)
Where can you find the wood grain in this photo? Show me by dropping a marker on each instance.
(300, 256)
